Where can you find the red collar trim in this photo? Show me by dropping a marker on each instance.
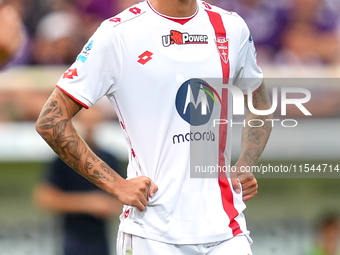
(181, 21)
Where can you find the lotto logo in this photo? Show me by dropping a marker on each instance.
(145, 57)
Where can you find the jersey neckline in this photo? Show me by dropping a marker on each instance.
(179, 20)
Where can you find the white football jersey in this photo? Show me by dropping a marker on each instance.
(143, 61)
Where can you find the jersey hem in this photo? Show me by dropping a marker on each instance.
(75, 98)
(254, 88)
(182, 240)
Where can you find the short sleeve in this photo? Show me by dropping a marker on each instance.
(96, 69)
(248, 73)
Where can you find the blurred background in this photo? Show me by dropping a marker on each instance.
(298, 45)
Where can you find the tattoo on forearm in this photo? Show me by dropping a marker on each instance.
(64, 140)
(251, 156)
(259, 97)
(254, 137)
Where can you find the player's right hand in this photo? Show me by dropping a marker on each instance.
(245, 179)
(135, 192)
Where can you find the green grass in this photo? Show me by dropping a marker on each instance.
(16, 185)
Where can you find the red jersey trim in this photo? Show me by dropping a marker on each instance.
(226, 192)
(258, 88)
(75, 99)
(181, 21)
(120, 115)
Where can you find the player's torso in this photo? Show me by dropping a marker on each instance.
(158, 56)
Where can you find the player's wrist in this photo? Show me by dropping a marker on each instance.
(241, 162)
(114, 188)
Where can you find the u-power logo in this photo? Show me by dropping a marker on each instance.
(195, 101)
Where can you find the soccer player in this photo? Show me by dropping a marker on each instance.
(143, 61)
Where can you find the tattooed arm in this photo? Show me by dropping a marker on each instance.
(254, 140)
(255, 137)
(55, 126)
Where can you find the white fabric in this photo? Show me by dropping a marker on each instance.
(184, 210)
(130, 244)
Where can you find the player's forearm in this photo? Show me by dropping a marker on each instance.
(56, 128)
(257, 131)
(254, 139)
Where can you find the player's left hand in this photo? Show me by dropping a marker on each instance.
(246, 179)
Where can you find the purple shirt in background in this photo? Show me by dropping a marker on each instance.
(22, 56)
(267, 20)
(101, 8)
(326, 16)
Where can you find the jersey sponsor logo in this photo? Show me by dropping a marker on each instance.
(180, 38)
(145, 57)
(82, 57)
(70, 73)
(195, 101)
(223, 48)
(190, 137)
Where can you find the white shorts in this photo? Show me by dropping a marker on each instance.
(128, 244)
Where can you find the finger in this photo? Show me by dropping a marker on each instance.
(236, 185)
(249, 194)
(146, 190)
(140, 202)
(248, 197)
(141, 207)
(153, 189)
(143, 200)
(249, 191)
(247, 183)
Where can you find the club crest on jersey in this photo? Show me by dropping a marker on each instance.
(180, 38)
(223, 48)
